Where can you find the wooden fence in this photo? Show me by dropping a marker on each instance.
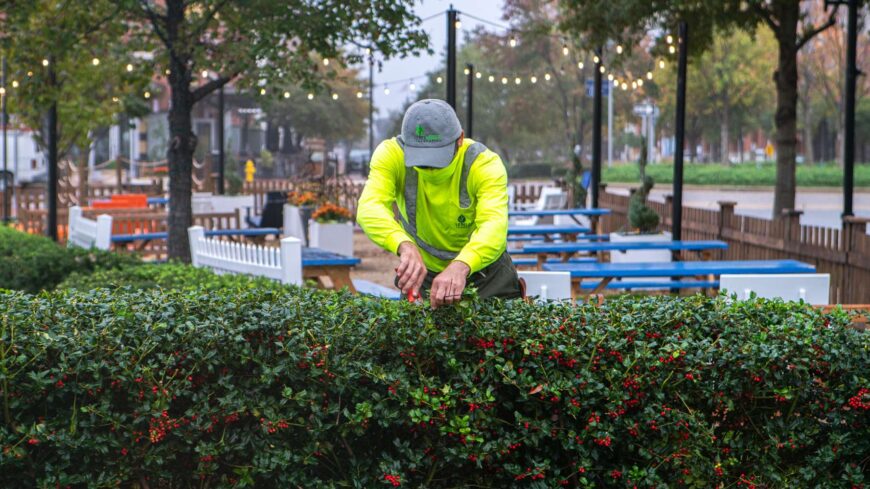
(845, 254)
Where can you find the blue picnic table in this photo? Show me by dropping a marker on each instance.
(606, 272)
(317, 264)
(567, 250)
(158, 200)
(145, 238)
(569, 232)
(560, 212)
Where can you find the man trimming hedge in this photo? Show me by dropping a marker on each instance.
(452, 197)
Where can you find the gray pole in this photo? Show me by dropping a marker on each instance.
(451, 57)
(680, 133)
(7, 189)
(371, 113)
(849, 139)
(51, 189)
(469, 101)
(596, 134)
(609, 124)
(220, 137)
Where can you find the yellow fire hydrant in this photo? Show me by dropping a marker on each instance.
(250, 170)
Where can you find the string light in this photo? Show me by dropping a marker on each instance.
(44, 62)
(547, 76)
(96, 61)
(634, 85)
(640, 82)
(618, 49)
(412, 86)
(672, 49)
(458, 23)
(439, 79)
(615, 82)
(115, 99)
(386, 90)
(359, 95)
(2, 90)
(204, 73)
(286, 94)
(167, 71)
(129, 67)
(504, 80)
(670, 39)
(14, 83)
(325, 61)
(334, 96)
(29, 74)
(478, 75)
(610, 76)
(565, 49)
(310, 96)
(662, 64)
(147, 94)
(624, 86)
(580, 65)
(596, 59)
(467, 71)
(533, 79)
(513, 42)
(518, 80)
(491, 78)
(649, 75)
(602, 69)
(262, 91)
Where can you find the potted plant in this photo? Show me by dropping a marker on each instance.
(643, 223)
(331, 229)
(297, 212)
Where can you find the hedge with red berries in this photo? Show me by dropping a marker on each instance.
(302, 388)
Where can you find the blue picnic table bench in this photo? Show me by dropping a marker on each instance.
(560, 212)
(145, 238)
(545, 231)
(566, 250)
(157, 200)
(607, 272)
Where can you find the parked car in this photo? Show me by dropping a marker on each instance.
(358, 161)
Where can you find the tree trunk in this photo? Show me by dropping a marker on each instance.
(83, 178)
(724, 137)
(180, 157)
(786, 79)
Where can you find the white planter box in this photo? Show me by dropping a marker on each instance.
(641, 256)
(337, 238)
(293, 224)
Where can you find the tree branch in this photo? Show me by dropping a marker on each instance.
(208, 17)
(766, 16)
(155, 19)
(832, 19)
(203, 90)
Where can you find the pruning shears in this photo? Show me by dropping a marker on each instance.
(413, 296)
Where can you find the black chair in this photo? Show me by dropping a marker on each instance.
(272, 215)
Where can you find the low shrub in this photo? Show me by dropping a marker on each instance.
(33, 263)
(302, 388)
(746, 174)
(165, 276)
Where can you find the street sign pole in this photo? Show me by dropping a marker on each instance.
(596, 134)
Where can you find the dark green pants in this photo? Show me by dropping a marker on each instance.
(497, 280)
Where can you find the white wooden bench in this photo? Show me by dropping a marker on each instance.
(544, 286)
(89, 233)
(812, 288)
(284, 264)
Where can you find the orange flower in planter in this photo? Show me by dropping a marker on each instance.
(332, 213)
(300, 199)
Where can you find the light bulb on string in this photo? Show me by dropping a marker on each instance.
(618, 49)
(412, 86)
(504, 80)
(458, 23)
(615, 82)
(610, 76)
(286, 94)
(634, 85)
(547, 76)
(491, 78)
(662, 64)
(129, 67)
(518, 80)
(624, 86)
(580, 65)
(565, 50)
(478, 75)
(386, 90)
(2, 90)
(672, 49)
(14, 83)
(45, 62)
(513, 42)
(596, 59)
(167, 71)
(334, 96)
(262, 91)
(670, 39)
(649, 75)
(96, 61)
(310, 96)
(439, 79)
(204, 74)
(29, 74)
(533, 79)
(325, 61)
(116, 99)
(359, 95)
(602, 69)
(147, 94)
(467, 71)
(640, 82)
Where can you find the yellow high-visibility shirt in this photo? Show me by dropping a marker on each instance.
(478, 233)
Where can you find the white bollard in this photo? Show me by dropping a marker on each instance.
(194, 233)
(291, 261)
(103, 239)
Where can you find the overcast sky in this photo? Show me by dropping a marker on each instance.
(402, 69)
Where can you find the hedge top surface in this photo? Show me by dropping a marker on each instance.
(300, 388)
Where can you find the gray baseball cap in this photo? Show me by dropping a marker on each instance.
(429, 133)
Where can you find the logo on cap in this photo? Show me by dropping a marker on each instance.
(420, 132)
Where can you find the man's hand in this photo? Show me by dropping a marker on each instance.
(448, 285)
(411, 270)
